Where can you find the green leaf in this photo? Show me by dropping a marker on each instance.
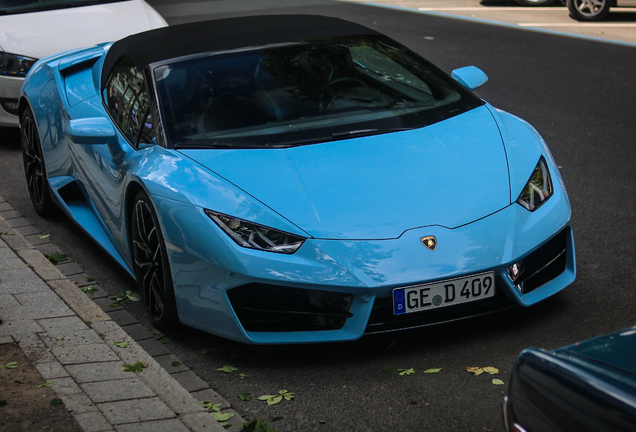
(227, 369)
(222, 417)
(90, 279)
(59, 338)
(406, 371)
(2, 401)
(123, 296)
(433, 370)
(89, 290)
(10, 365)
(122, 344)
(245, 396)
(274, 400)
(6, 233)
(204, 351)
(56, 257)
(134, 296)
(47, 384)
(208, 405)
(497, 382)
(243, 376)
(388, 369)
(44, 236)
(137, 367)
(56, 402)
(176, 364)
(257, 426)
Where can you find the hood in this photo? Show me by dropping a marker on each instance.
(616, 349)
(448, 174)
(41, 34)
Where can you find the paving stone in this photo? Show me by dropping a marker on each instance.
(135, 411)
(202, 421)
(51, 370)
(34, 349)
(19, 280)
(117, 390)
(6, 340)
(70, 269)
(36, 240)
(75, 338)
(169, 390)
(99, 292)
(190, 381)
(65, 386)
(10, 214)
(122, 317)
(79, 403)
(65, 324)
(89, 354)
(171, 425)
(210, 395)
(105, 304)
(26, 230)
(153, 347)
(78, 301)
(165, 361)
(18, 329)
(42, 266)
(18, 222)
(93, 422)
(5, 206)
(47, 248)
(10, 261)
(137, 332)
(93, 372)
(7, 301)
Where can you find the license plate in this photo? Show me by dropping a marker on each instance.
(443, 293)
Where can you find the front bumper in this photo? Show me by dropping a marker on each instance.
(217, 283)
(9, 94)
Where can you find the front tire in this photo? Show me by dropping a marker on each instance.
(34, 168)
(589, 10)
(151, 265)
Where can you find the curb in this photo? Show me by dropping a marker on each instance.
(87, 364)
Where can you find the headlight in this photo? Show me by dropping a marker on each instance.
(255, 236)
(15, 65)
(538, 189)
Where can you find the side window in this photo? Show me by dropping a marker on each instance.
(126, 97)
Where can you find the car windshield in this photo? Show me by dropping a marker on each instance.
(8, 7)
(302, 93)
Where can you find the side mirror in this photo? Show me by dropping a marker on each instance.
(470, 77)
(92, 131)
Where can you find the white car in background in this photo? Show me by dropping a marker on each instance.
(32, 29)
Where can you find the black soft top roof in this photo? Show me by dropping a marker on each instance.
(226, 34)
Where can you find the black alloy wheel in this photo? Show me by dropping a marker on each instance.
(151, 266)
(34, 168)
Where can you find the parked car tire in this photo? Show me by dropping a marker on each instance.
(34, 168)
(588, 10)
(151, 265)
(535, 2)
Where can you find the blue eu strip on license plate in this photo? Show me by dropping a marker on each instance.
(443, 293)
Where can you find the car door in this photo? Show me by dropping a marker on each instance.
(103, 168)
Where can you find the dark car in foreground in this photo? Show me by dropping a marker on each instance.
(587, 386)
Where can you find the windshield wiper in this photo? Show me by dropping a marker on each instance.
(365, 132)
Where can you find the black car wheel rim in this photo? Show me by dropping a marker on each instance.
(33, 165)
(148, 259)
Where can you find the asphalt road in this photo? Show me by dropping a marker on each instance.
(579, 94)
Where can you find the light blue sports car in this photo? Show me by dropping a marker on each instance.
(292, 179)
